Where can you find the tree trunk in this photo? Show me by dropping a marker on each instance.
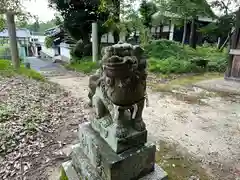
(135, 35)
(156, 32)
(230, 58)
(117, 21)
(225, 42)
(170, 28)
(219, 43)
(193, 34)
(13, 39)
(184, 32)
(161, 31)
(107, 37)
(116, 36)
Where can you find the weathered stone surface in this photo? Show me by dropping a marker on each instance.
(82, 165)
(131, 164)
(70, 171)
(157, 174)
(119, 87)
(135, 138)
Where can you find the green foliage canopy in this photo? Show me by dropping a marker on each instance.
(147, 9)
(226, 21)
(2, 22)
(78, 16)
(49, 42)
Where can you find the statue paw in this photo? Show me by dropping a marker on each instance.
(139, 126)
(121, 132)
(90, 104)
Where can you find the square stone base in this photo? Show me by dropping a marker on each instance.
(94, 159)
(131, 164)
(71, 173)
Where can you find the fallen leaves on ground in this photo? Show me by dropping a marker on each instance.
(32, 114)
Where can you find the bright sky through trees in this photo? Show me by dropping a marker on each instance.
(40, 8)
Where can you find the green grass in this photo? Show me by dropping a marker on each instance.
(182, 81)
(7, 70)
(188, 80)
(85, 65)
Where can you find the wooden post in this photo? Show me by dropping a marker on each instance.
(94, 42)
(13, 39)
(234, 38)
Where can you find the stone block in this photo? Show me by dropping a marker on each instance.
(82, 165)
(70, 171)
(108, 133)
(129, 165)
(157, 174)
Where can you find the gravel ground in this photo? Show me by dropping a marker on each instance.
(37, 120)
(209, 131)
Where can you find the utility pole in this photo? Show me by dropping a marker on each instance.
(95, 41)
(13, 39)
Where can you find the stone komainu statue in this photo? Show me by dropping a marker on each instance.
(118, 89)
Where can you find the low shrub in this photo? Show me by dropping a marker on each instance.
(48, 41)
(6, 69)
(171, 65)
(162, 49)
(218, 65)
(171, 57)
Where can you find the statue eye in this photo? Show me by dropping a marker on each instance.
(109, 81)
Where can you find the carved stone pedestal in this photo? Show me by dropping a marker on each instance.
(118, 145)
(93, 159)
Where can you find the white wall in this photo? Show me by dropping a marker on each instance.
(165, 29)
(107, 38)
(49, 51)
(65, 49)
(171, 33)
(65, 52)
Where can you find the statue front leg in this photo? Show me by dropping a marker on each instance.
(138, 123)
(90, 97)
(98, 106)
(121, 130)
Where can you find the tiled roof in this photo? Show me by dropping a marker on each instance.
(21, 33)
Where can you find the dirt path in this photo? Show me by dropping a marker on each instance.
(210, 132)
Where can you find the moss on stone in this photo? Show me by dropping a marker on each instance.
(63, 175)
